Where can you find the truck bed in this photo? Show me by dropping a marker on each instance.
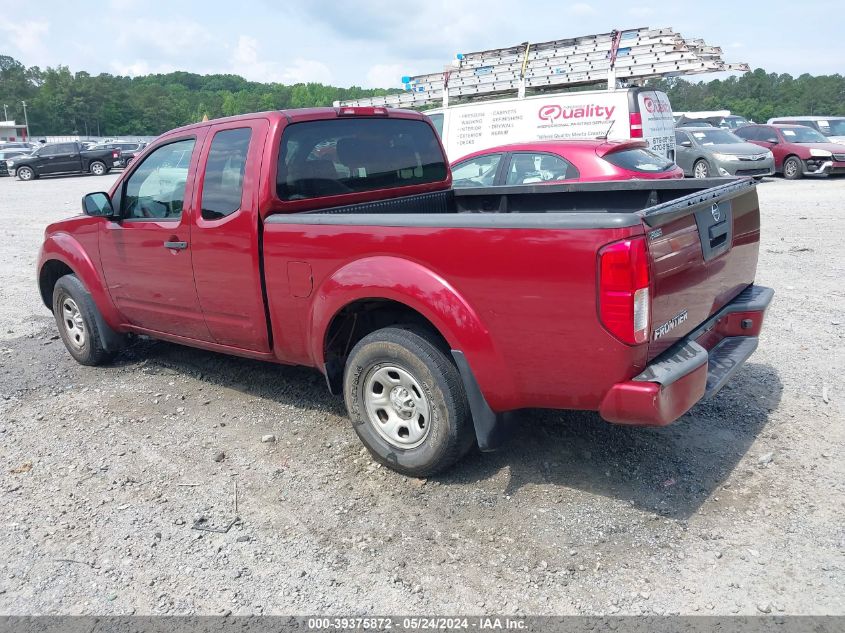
(642, 197)
(533, 290)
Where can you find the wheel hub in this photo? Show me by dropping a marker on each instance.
(397, 406)
(402, 402)
(73, 322)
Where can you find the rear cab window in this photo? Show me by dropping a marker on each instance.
(639, 159)
(357, 154)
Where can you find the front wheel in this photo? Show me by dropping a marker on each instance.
(25, 173)
(407, 402)
(98, 168)
(792, 168)
(79, 325)
(701, 169)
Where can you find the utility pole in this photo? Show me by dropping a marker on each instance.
(5, 113)
(25, 120)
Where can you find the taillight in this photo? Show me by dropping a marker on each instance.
(636, 125)
(624, 302)
(115, 154)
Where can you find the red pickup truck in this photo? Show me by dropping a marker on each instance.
(332, 238)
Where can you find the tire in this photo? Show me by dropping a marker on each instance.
(701, 169)
(25, 173)
(79, 322)
(98, 168)
(421, 424)
(792, 168)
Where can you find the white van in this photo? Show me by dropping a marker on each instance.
(616, 114)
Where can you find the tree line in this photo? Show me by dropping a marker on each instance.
(62, 102)
(759, 95)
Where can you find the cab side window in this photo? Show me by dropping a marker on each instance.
(223, 182)
(156, 189)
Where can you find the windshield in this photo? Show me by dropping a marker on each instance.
(715, 136)
(801, 134)
(734, 122)
(835, 127)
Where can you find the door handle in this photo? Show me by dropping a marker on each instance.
(176, 246)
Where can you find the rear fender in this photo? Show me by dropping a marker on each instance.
(423, 290)
(64, 248)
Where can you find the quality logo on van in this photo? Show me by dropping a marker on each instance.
(554, 113)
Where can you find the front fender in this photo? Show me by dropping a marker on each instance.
(420, 288)
(65, 248)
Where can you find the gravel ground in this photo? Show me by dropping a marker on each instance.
(737, 508)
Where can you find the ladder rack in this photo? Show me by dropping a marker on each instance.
(632, 56)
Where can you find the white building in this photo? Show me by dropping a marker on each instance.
(10, 131)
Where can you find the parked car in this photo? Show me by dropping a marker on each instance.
(62, 158)
(730, 122)
(798, 150)
(332, 238)
(707, 151)
(561, 161)
(128, 151)
(9, 145)
(8, 154)
(716, 118)
(832, 127)
(693, 123)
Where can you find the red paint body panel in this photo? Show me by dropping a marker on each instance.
(74, 242)
(225, 257)
(520, 303)
(521, 312)
(683, 280)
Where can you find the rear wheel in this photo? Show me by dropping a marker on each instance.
(792, 168)
(407, 402)
(701, 169)
(98, 168)
(25, 173)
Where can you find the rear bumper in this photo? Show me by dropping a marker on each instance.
(694, 368)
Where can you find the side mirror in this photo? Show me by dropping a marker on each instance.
(686, 143)
(97, 204)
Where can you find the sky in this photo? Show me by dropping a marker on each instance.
(373, 43)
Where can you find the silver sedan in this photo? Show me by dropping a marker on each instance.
(706, 152)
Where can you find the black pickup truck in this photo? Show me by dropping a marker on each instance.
(63, 158)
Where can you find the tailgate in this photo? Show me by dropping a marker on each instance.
(703, 249)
